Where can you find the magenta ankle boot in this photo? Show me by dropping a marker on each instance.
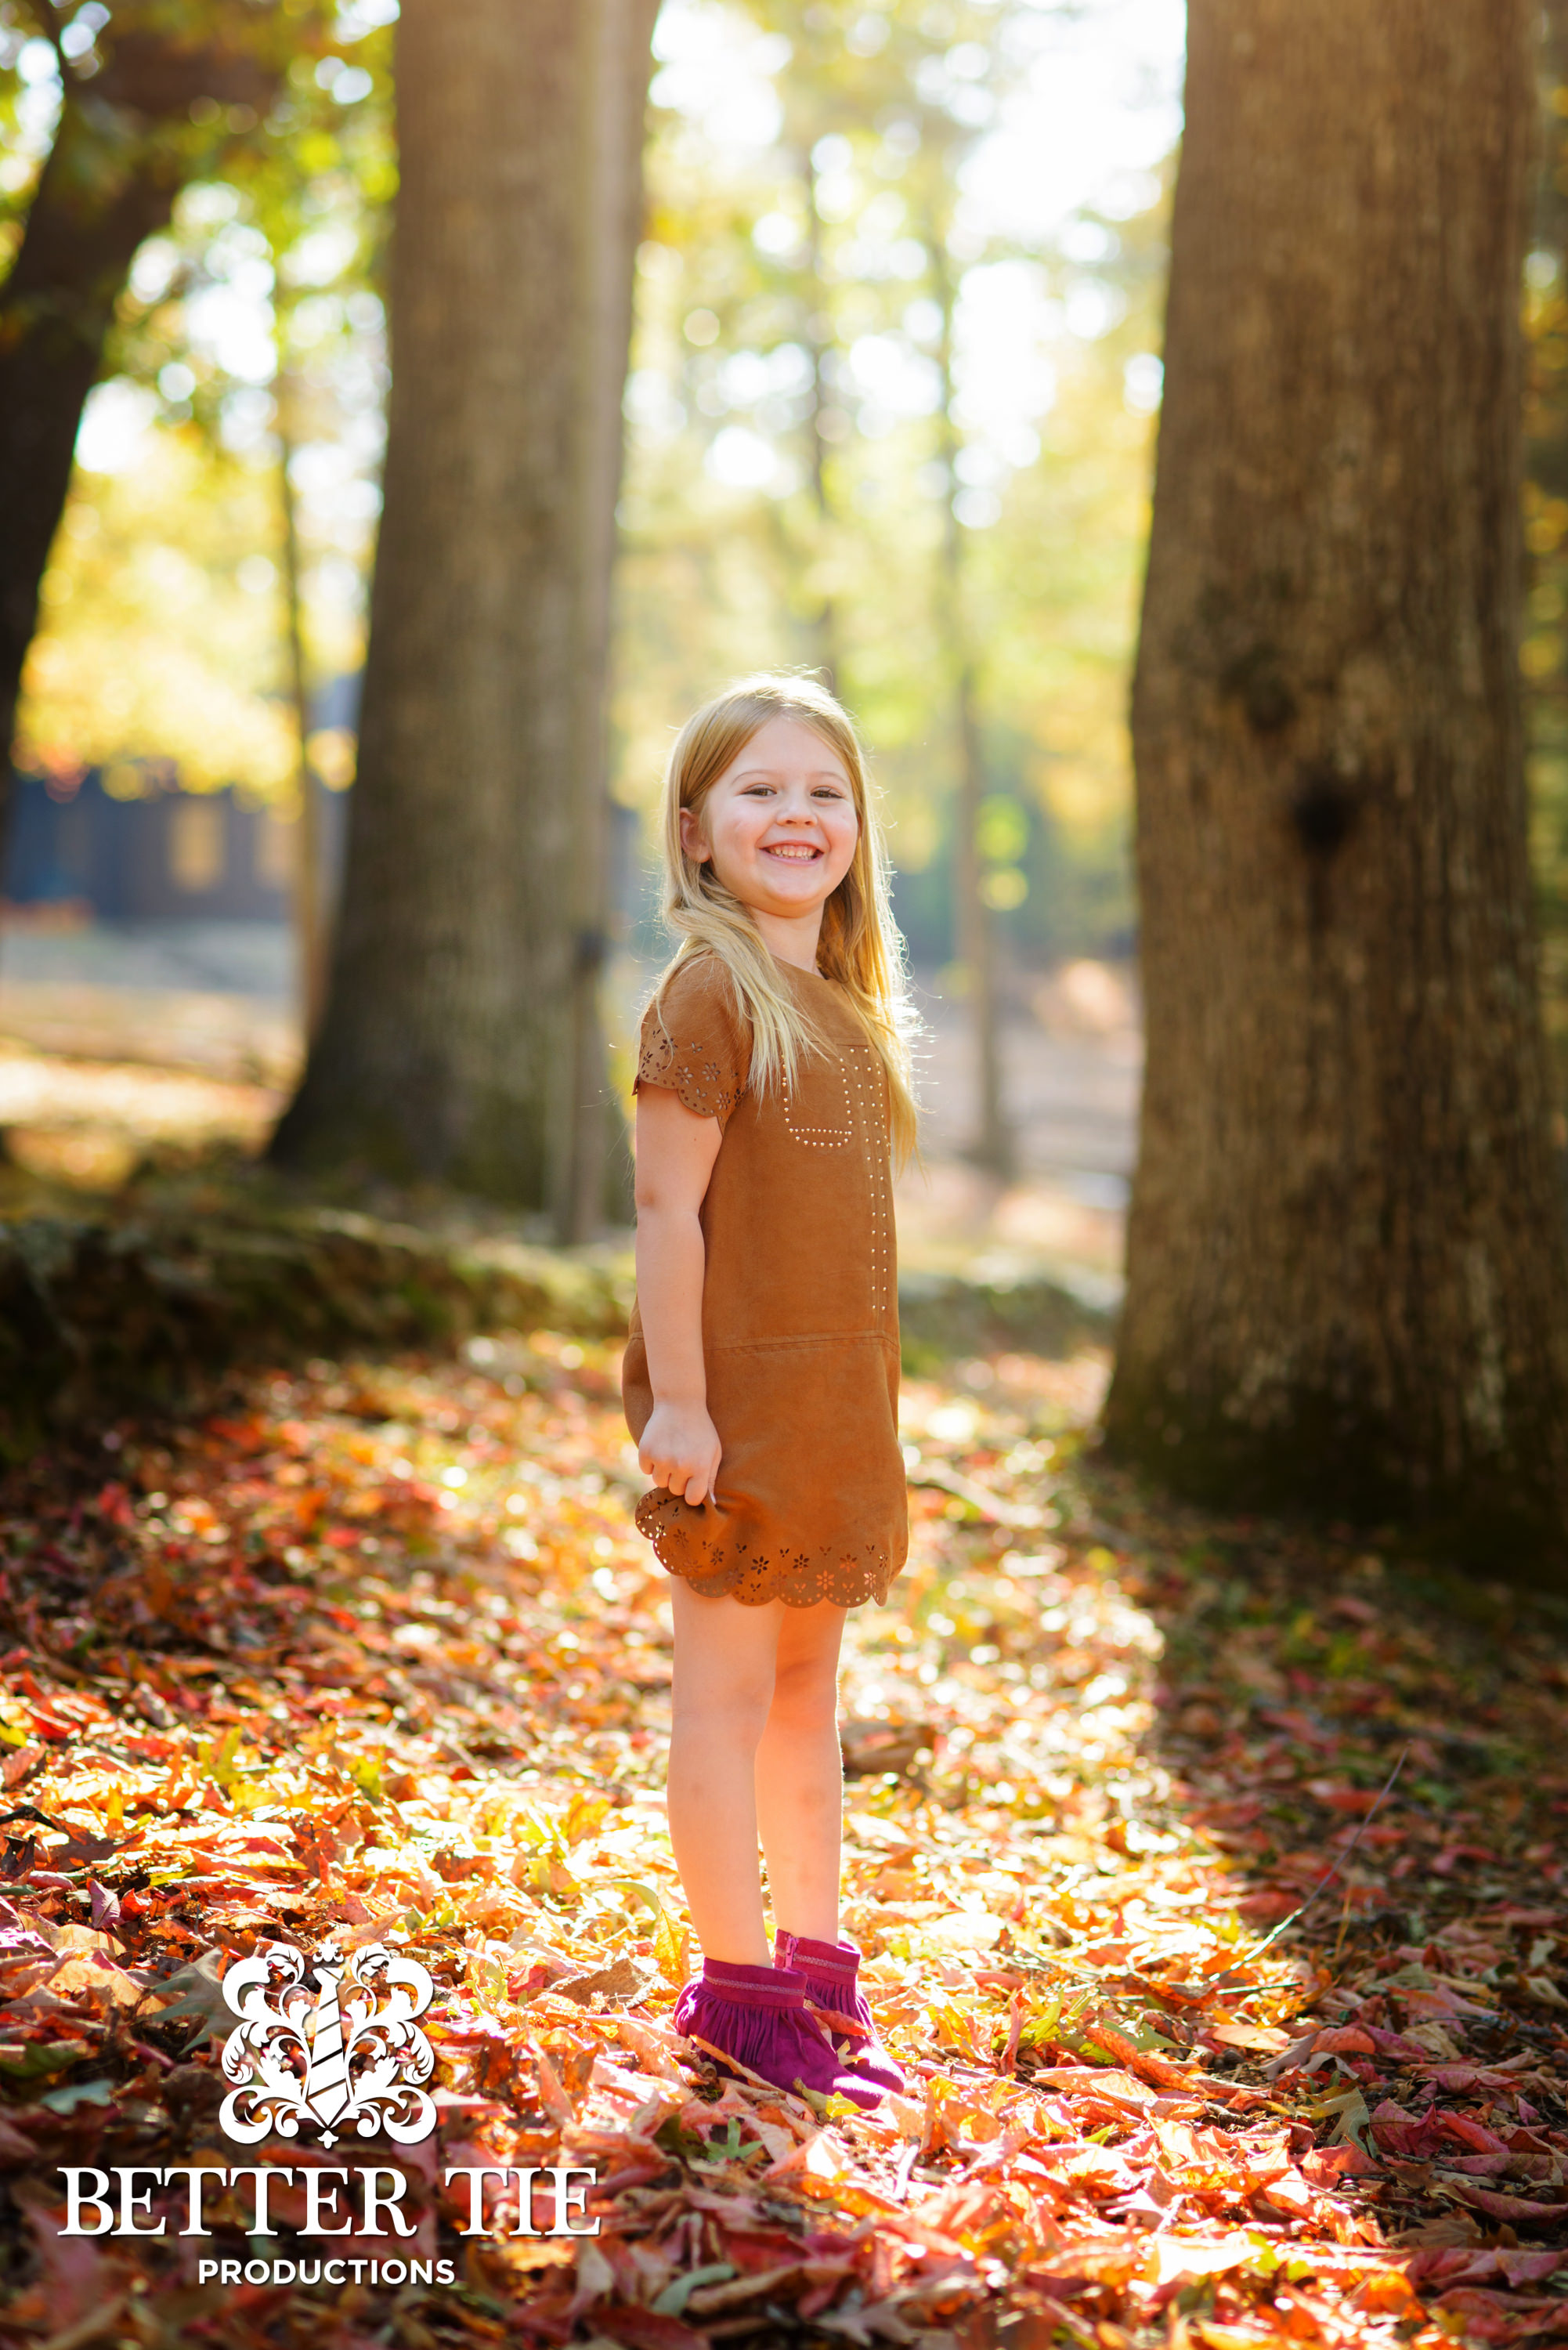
(757, 2016)
(831, 1972)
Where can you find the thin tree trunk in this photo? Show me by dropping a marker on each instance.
(458, 1033)
(121, 152)
(309, 932)
(612, 196)
(1347, 1280)
(819, 342)
(991, 1145)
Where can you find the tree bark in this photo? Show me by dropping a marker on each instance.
(1347, 1283)
(459, 1034)
(121, 152)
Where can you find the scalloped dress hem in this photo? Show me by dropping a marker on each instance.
(728, 1571)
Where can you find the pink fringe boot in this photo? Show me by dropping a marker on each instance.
(831, 1972)
(757, 2017)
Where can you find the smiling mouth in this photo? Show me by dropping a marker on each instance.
(797, 852)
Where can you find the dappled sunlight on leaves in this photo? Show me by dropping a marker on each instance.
(376, 1650)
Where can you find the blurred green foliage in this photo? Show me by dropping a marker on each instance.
(785, 481)
(787, 472)
(786, 476)
(163, 635)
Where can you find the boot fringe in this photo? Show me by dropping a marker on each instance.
(763, 2030)
(831, 1972)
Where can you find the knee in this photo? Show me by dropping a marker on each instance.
(733, 1714)
(806, 1695)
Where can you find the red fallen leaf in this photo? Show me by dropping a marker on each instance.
(751, 2252)
(114, 1505)
(643, 2329)
(1398, 2132)
(1394, 2043)
(1288, 2193)
(1339, 1797)
(1473, 2133)
(1459, 2078)
(1436, 2264)
(76, 2273)
(1268, 2037)
(615, 2182)
(815, 2298)
(1345, 2039)
(1476, 2316)
(1463, 2266)
(1503, 2206)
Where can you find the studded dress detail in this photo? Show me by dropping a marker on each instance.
(800, 1308)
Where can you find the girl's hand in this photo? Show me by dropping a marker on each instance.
(681, 1450)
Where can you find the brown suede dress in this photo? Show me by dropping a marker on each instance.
(800, 1309)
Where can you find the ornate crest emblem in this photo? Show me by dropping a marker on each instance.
(346, 2054)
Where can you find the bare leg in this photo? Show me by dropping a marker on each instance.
(800, 1774)
(724, 1667)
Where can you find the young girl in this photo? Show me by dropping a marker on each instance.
(762, 1377)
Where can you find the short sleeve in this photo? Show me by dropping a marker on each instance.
(694, 1043)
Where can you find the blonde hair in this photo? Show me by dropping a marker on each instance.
(861, 947)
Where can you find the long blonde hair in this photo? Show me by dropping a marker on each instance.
(861, 947)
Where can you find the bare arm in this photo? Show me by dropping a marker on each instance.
(675, 1155)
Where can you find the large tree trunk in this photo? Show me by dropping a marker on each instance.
(121, 152)
(1348, 1284)
(458, 1033)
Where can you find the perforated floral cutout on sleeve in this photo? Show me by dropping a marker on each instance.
(693, 1043)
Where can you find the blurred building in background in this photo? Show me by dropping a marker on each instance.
(80, 847)
(76, 845)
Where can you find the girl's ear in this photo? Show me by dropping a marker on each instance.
(692, 839)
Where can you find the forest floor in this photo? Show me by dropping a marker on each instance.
(374, 1654)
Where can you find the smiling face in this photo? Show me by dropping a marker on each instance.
(779, 827)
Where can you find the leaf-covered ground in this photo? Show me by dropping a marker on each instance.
(378, 1652)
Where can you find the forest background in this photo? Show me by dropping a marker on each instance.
(799, 417)
(794, 432)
